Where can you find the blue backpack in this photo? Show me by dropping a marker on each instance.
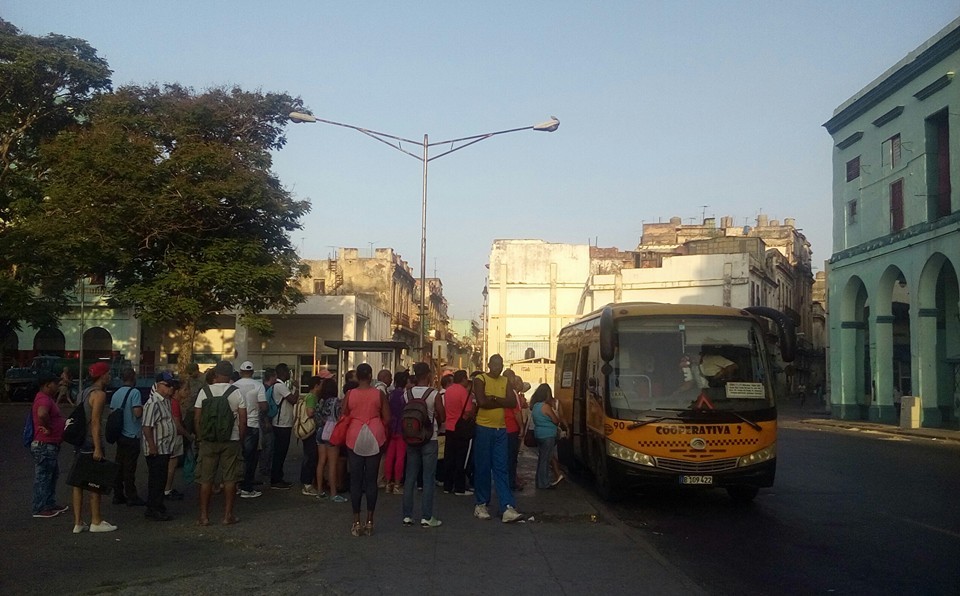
(28, 430)
(273, 408)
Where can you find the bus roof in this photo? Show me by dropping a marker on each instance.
(633, 309)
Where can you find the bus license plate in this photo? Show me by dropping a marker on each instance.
(696, 480)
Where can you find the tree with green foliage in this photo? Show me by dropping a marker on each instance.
(170, 193)
(46, 84)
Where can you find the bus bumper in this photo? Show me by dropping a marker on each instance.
(760, 475)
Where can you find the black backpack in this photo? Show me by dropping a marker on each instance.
(416, 425)
(75, 432)
(115, 421)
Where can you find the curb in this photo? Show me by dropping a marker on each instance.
(930, 433)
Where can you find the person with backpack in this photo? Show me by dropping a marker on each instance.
(306, 428)
(495, 398)
(128, 400)
(220, 418)
(255, 398)
(93, 402)
(282, 426)
(419, 429)
(368, 413)
(48, 424)
(328, 456)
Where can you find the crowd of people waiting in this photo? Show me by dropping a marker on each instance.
(402, 433)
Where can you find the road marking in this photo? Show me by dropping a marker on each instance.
(923, 525)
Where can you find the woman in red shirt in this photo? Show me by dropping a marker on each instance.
(369, 415)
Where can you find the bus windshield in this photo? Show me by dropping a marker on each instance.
(689, 363)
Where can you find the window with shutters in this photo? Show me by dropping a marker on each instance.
(891, 152)
(896, 206)
(851, 211)
(853, 169)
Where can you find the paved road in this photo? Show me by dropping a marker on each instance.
(290, 544)
(851, 513)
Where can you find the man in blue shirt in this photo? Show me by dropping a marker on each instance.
(128, 445)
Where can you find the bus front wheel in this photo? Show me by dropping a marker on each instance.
(742, 494)
(603, 477)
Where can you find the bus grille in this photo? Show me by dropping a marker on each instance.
(696, 467)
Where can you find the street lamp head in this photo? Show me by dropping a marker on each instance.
(549, 126)
(299, 117)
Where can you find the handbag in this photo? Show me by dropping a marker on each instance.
(465, 428)
(92, 475)
(115, 421)
(327, 431)
(529, 438)
(338, 436)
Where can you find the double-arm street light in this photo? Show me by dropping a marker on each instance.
(548, 126)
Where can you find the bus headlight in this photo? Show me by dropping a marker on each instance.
(628, 455)
(758, 457)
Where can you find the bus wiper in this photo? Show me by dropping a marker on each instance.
(751, 423)
(664, 415)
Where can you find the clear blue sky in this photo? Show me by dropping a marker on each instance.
(665, 107)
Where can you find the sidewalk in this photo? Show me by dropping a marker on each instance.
(818, 415)
(287, 543)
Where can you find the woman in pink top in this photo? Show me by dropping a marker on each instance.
(369, 413)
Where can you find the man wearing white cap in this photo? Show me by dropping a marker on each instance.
(255, 398)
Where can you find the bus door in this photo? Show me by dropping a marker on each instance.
(579, 431)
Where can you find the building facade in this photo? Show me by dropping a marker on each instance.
(892, 283)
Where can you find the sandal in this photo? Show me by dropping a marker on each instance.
(355, 530)
(368, 530)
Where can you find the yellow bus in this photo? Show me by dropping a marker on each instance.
(664, 394)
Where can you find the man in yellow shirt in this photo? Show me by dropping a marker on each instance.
(494, 396)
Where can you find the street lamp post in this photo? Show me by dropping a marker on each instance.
(549, 126)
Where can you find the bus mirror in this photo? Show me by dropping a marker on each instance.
(606, 369)
(607, 340)
(786, 326)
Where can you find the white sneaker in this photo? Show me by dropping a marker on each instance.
(433, 522)
(103, 526)
(81, 527)
(408, 521)
(250, 494)
(511, 515)
(308, 490)
(480, 512)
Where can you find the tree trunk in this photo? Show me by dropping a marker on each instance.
(185, 349)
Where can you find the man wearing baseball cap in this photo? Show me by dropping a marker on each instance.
(159, 434)
(255, 397)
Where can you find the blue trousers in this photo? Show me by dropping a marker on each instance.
(490, 462)
(425, 457)
(46, 472)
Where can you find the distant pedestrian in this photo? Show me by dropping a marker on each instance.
(396, 449)
(282, 426)
(495, 397)
(369, 414)
(64, 387)
(159, 435)
(217, 454)
(48, 425)
(128, 399)
(546, 427)
(93, 401)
